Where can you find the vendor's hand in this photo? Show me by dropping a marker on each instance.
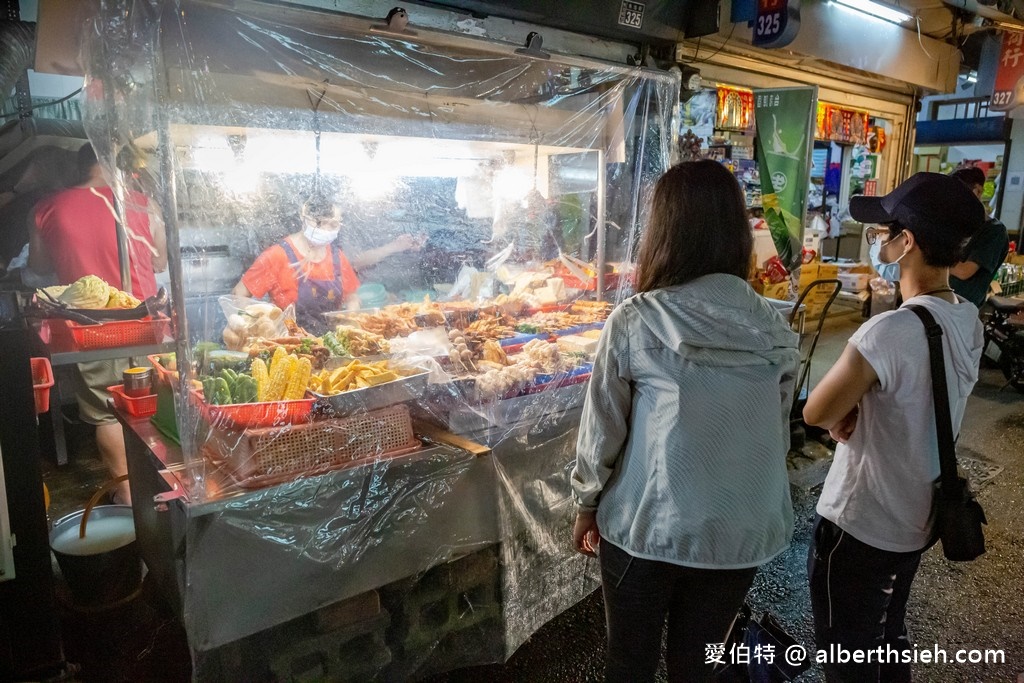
(842, 430)
(585, 535)
(407, 242)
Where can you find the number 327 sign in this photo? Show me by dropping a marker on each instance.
(777, 22)
(1009, 74)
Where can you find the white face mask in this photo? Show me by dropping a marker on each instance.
(887, 270)
(319, 235)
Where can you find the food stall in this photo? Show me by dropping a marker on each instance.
(390, 495)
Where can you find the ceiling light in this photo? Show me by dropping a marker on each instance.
(877, 9)
(1006, 26)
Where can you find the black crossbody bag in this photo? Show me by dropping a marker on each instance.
(958, 515)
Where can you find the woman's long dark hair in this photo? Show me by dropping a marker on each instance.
(698, 226)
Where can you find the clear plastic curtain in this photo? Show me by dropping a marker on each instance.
(517, 178)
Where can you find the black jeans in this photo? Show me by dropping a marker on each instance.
(639, 594)
(859, 599)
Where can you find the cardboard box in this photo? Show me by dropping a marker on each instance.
(854, 267)
(854, 282)
(779, 290)
(828, 271)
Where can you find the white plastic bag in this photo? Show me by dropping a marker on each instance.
(251, 319)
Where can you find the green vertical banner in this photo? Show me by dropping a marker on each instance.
(785, 136)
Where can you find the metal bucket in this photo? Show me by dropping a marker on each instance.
(104, 567)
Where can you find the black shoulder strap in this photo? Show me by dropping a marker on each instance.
(940, 394)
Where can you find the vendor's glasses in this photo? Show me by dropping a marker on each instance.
(323, 222)
(872, 234)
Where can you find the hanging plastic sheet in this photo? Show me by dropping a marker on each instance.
(375, 480)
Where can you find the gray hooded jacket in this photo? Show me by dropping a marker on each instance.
(683, 441)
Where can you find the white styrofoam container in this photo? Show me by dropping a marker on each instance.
(854, 282)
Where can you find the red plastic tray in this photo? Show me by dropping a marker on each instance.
(113, 334)
(42, 381)
(266, 414)
(163, 375)
(142, 406)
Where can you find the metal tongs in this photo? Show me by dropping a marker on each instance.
(54, 307)
(58, 308)
(156, 304)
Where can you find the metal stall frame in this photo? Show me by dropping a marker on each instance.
(177, 487)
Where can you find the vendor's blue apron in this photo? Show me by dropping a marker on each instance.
(316, 297)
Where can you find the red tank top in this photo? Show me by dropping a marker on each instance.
(78, 230)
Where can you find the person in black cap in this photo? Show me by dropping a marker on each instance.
(874, 514)
(971, 277)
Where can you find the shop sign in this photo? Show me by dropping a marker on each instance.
(1009, 73)
(840, 124)
(735, 108)
(631, 14)
(784, 120)
(777, 22)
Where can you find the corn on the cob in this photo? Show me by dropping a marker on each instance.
(299, 380)
(280, 373)
(279, 356)
(261, 374)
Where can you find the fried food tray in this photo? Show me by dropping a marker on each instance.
(366, 399)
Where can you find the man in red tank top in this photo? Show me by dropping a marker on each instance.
(73, 233)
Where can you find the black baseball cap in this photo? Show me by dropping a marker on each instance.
(924, 202)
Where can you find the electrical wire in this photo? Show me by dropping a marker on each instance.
(919, 41)
(7, 115)
(721, 47)
(695, 51)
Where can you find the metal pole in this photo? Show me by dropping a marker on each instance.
(168, 200)
(117, 186)
(1007, 146)
(600, 224)
(811, 126)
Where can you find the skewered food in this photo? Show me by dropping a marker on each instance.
(494, 326)
(356, 342)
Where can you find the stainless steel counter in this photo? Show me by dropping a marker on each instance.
(253, 559)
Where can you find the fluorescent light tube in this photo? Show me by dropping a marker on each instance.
(877, 9)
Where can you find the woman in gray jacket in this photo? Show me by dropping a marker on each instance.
(680, 474)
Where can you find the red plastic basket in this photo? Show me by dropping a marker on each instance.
(42, 381)
(141, 406)
(163, 375)
(113, 334)
(266, 414)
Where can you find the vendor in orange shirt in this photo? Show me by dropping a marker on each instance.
(307, 270)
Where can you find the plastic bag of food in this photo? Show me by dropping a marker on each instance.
(252, 319)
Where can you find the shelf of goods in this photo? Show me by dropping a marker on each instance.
(302, 461)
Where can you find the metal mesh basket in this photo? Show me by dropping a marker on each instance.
(260, 457)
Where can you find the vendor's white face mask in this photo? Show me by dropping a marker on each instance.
(320, 232)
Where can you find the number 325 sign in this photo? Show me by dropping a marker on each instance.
(777, 22)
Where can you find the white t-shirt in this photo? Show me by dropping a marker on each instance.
(880, 486)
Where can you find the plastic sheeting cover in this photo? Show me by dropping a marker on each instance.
(399, 475)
